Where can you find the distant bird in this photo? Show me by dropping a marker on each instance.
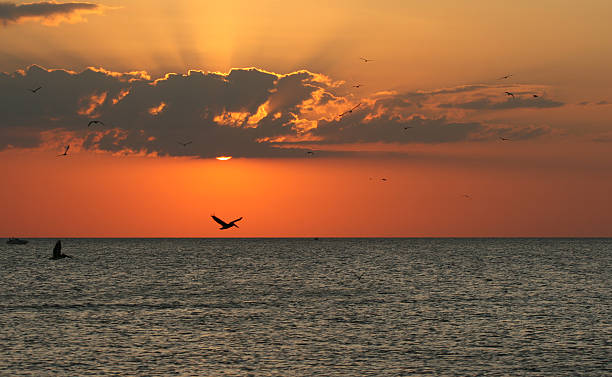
(467, 196)
(384, 179)
(310, 153)
(225, 225)
(35, 90)
(349, 111)
(505, 77)
(509, 94)
(535, 96)
(92, 122)
(185, 144)
(366, 60)
(357, 86)
(65, 152)
(407, 127)
(504, 139)
(57, 251)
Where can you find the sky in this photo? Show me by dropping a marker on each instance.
(471, 119)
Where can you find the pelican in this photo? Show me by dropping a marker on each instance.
(366, 60)
(185, 144)
(349, 111)
(505, 77)
(35, 90)
(57, 251)
(225, 225)
(535, 96)
(65, 152)
(92, 122)
(509, 94)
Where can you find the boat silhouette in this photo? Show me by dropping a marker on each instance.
(16, 241)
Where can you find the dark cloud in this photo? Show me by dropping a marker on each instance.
(244, 113)
(12, 12)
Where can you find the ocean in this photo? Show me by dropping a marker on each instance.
(304, 307)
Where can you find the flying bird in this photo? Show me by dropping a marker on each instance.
(57, 251)
(225, 225)
(505, 77)
(384, 179)
(467, 196)
(185, 144)
(366, 60)
(35, 90)
(407, 127)
(357, 86)
(509, 94)
(310, 153)
(92, 122)
(65, 152)
(504, 139)
(349, 111)
(535, 96)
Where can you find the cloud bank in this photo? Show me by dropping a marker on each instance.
(246, 112)
(47, 12)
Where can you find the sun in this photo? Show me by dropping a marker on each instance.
(224, 158)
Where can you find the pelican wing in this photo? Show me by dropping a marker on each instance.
(219, 221)
(238, 219)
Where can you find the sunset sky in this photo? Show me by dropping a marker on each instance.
(266, 81)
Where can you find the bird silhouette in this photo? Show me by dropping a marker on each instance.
(504, 139)
(535, 96)
(509, 94)
(366, 60)
(185, 144)
(505, 77)
(92, 122)
(65, 152)
(349, 111)
(225, 225)
(407, 127)
(310, 153)
(35, 90)
(384, 179)
(57, 251)
(467, 196)
(357, 86)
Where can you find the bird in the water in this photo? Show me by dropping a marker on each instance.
(509, 94)
(185, 144)
(349, 111)
(35, 90)
(92, 122)
(505, 77)
(366, 60)
(65, 152)
(57, 251)
(225, 225)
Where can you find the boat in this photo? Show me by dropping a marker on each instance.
(16, 241)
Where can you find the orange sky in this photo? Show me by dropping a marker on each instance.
(436, 71)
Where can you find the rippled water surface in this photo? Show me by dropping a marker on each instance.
(283, 307)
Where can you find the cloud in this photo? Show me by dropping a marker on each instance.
(246, 112)
(47, 12)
